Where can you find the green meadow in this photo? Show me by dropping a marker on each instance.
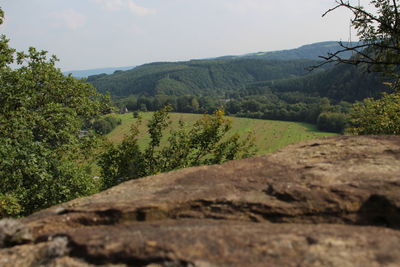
(269, 135)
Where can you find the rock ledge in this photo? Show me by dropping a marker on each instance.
(327, 202)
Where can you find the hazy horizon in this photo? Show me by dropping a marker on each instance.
(93, 34)
(185, 60)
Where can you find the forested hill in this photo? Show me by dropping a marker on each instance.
(212, 76)
(197, 77)
(310, 51)
(339, 83)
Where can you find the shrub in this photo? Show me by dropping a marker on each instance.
(380, 116)
(106, 124)
(9, 206)
(332, 122)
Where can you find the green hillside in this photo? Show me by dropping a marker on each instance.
(198, 77)
(310, 51)
(270, 135)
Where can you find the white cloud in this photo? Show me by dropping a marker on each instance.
(117, 5)
(70, 18)
(139, 10)
(249, 6)
(111, 5)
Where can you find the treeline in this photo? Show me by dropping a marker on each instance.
(340, 83)
(185, 104)
(319, 111)
(289, 106)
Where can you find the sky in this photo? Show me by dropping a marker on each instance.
(87, 34)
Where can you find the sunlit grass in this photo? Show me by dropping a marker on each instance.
(269, 135)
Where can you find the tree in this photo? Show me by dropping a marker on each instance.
(105, 124)
(206, 142)
(379, 50)
(332, 122)
(379, 32)
(195, 105)
(380, 116)
(42, 155)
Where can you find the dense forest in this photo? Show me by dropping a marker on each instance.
(197, 77)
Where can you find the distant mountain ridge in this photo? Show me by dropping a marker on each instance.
(310, 51)
(90, 72)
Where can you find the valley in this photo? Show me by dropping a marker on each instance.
(278, 85)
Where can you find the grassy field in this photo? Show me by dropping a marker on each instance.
(270, 135)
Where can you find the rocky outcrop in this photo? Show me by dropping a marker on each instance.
(329, 202)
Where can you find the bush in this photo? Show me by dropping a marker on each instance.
(106, 124)
(9, 206)
(380, 116)
(332, 122)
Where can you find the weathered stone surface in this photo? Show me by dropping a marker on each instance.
(329, 202)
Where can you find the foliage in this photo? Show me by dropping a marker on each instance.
(105, 125)
(41, 114)
(9, 205)
(332, 122)
(340, 83)
(377, 116)
(379, 31)
(204, 143)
